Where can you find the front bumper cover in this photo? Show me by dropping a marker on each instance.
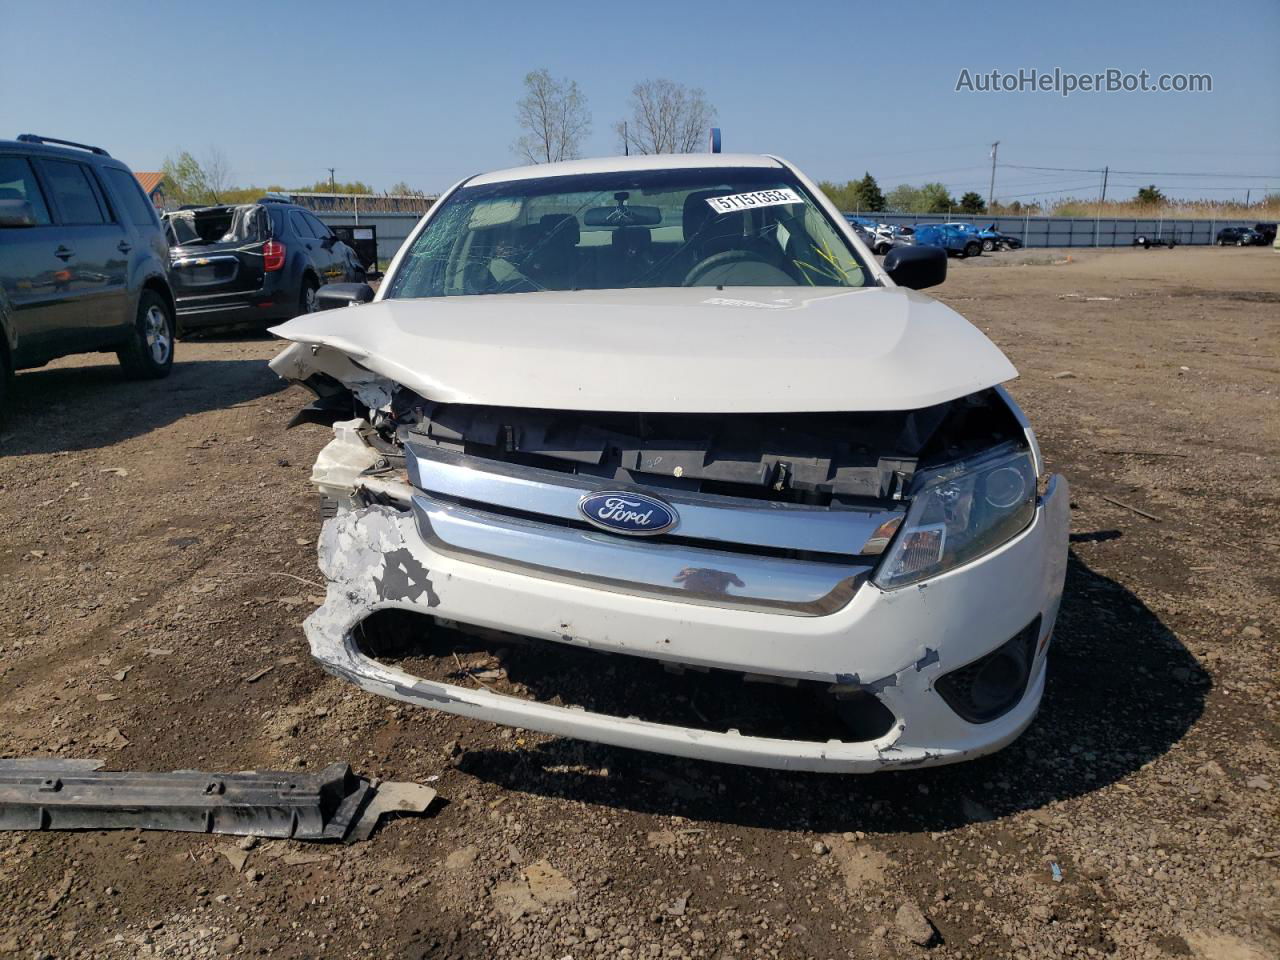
(893, 644)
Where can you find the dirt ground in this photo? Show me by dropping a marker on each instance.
(158, 551)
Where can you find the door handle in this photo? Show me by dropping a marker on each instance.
(124, 246)
(63, 254)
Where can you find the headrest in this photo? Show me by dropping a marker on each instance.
(561, 228)
(632, 240)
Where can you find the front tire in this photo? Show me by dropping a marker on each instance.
(973, 249)
(988, 245)
(148, 354)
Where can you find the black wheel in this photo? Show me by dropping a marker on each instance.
(988, 245)
(973, 249)
(1239, 243)
(307, 298)
(881, 249)
(148, 354)
(1221, 243)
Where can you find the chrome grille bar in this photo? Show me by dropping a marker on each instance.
(720, 520)
(651, 568)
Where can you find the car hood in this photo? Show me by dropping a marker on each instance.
(662, 350)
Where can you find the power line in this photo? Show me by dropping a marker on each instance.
(1241, 176)
(1147, 173)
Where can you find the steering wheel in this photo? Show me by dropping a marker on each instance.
(730, 258)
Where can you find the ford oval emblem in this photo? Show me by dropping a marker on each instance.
(633, 514)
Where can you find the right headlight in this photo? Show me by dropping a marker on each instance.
(959, 512)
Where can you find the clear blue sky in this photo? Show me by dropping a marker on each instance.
(425, 92)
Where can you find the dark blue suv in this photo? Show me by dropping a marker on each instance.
(253, 263)
(83, 261)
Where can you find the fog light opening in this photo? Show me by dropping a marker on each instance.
(989, 687)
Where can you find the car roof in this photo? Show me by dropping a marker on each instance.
(663, 161)
(62, 153)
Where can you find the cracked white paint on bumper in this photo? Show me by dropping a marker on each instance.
(896, 643)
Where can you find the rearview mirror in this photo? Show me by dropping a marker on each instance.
(622, 216)
(916, 267)
(343, 295)
(16, 213)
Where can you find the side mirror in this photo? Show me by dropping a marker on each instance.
(916, 267)
(343, 295)
(16, 213)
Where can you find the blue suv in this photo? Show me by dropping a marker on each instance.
(958, 239)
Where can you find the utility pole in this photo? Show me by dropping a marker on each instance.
(991, 191)
(626, 142)
(1097, 215)
(332, 186)
(1247, 195)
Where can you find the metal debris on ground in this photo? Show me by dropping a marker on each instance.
(333, 804)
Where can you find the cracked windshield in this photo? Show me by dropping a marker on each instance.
(685, 228)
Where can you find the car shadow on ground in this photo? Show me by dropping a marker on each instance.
(1122, 689)
(245, 333)
(96, 405)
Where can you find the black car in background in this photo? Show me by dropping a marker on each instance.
(83, 260)
(1266, 232)
(252, 262)
(1239, 236)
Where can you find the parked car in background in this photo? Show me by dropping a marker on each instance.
(1238, 236)
(1266, 232)
(960, 240)
(843, 508)
(252, 262)
(83, 260)
(1146, 241)
(993, 239)
(880, 237)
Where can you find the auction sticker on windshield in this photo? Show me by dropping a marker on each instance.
(757, 198)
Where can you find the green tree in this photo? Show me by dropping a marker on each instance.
(324, 186)
(1150, 196)
(855, 196)
(973, 203)
(843, 195)
(402, 189)
(869, 194)
(190, 181)
(936, 198)
(905, 198)
(185, 180)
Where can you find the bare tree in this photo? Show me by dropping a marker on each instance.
(666, 117)
(554, 114)
(217, 172)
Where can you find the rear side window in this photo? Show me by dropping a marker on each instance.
(74, 193)
(137, 208)
(300, 225)
(18, 182)
(318, 228)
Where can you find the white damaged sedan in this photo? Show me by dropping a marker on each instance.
(666, 417)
